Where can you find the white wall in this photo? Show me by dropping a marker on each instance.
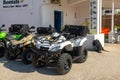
(42, 14)
(83, 12)
(69, 15)
(29, 16)
(48, 13)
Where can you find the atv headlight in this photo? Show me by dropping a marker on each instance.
(2, 44)
(8, 43)
(37, 43)
(20, 45)
(54, 49)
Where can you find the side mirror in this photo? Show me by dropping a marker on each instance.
(2, 26)
(32, 27)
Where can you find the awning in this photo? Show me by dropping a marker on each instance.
(107, 4)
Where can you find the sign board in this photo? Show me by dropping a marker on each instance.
(16, 4)
(93, 6)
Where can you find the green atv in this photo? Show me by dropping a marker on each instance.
(20, 42)
(2, 41)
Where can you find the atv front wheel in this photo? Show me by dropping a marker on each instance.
(64, 63)
(37, 62)
(2, 52)
(82, 53)
(27, 56)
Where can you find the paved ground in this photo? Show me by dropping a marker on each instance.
(99, 66)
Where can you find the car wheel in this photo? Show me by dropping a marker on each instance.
(64, 63)
(27, 56)
(82, 53)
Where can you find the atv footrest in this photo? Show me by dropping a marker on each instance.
(75, 58)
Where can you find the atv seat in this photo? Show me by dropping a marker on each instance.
(76, 30)
(68, 36)
(44, 30)
(19, 29)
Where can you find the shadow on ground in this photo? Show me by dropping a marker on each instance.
(18, 66)
(47, 71)
(3, 60)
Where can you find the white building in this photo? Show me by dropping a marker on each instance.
(42, 13)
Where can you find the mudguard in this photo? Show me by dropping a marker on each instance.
(3, 35)
(79, 42)
(24, 40)
(67, 45)
(82, 41)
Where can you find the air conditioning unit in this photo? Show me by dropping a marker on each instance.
(55, 1)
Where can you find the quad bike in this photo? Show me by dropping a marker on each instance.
(2, 41)
(61, 49)
(21, 43)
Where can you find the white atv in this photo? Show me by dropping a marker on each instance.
(61, 49)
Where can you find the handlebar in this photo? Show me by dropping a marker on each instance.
(31, 31)
(2, 29)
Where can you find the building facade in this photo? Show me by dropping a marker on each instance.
(42, 12)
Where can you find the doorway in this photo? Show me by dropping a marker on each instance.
(58, 20)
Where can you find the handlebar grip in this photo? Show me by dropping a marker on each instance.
(2, 29)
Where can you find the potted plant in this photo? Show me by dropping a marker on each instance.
(118, 28)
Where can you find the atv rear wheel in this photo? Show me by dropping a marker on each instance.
(2, 52)
(82, 53)
(10, 57)
(37, 62)
(27, 56)
(64, 63)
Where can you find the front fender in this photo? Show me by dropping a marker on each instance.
(67, 45)
(83, 40)
(79, 41)
(2, 44)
